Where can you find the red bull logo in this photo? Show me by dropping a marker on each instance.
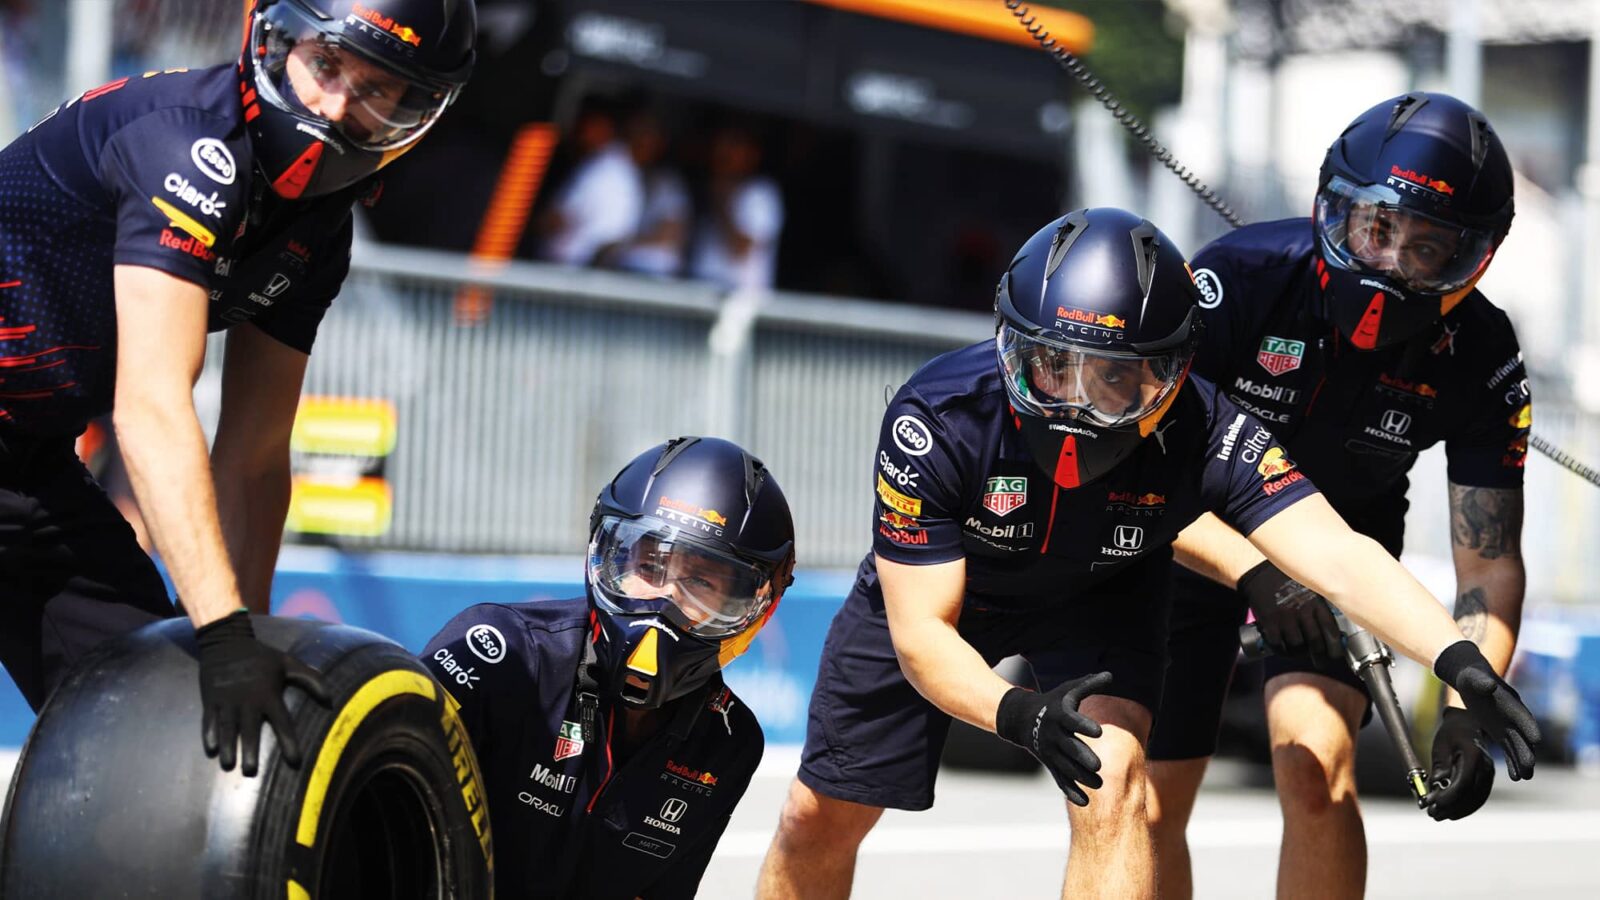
(1409, 387)
(691, 774)
(683, 512)
(403, 33)
(1088, 317)
(1438, 185)
(1272, 487)
(1274, 464)
(1130, 498)
(895, 520)
(1522, 418)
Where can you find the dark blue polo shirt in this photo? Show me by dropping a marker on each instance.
(953, 479)
(569, 819)
(156, 171)
(1355, 421)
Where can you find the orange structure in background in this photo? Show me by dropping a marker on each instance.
(507, 216)
(987, 19)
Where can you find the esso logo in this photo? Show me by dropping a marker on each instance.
(1210, 288)
(212, 158)
(486, 643)
(912, 436)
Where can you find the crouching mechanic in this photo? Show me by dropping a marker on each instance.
(135, 219)
(1358, 335)
(1028, 493)
(612, 752)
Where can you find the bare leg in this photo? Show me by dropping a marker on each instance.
(1111, 853)
(813, 855)
(1313, 721)
(1174, 784)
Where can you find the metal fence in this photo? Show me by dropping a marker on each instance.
(508, 427)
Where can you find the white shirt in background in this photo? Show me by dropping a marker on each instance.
(599, 205)
(757, 210)
(666, 199)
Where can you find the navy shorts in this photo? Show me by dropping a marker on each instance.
(872, 739)
(71, 570)
(1201, 649)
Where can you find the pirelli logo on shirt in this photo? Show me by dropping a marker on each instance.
(897, 501)
(180, 219)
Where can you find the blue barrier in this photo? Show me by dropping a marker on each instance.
(408, 597)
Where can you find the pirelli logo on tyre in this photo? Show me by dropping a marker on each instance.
(897, 501)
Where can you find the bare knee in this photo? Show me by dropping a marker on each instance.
(1120, 799)
(819, 823)
(1170, 799)
(1315, 773)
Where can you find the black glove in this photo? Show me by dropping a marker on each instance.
(1495, 706)
(241, 683)
(1294, 620)
(1463, 773)
(1048, 725)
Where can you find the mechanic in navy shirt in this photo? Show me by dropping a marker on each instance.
(1028, 492)
(135, 219)
(612, 752)
(1359, 338)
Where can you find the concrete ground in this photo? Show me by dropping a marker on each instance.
(1006, 836)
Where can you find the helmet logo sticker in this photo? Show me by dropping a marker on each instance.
(912, 436)
(1410, 177)
(697, 517)
(212, 158)
(486, 643)
(1004, 495)
(1087, 317)
(1210, 288)
(1280, 355)
(386, 25)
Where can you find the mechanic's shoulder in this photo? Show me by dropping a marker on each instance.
(958, 381)
(730, 722)
(1260, 246)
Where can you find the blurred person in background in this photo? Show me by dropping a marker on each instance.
(600, 202)
(1029, 489)
(657, 246)
(1358, 336)
(133, 220)
(639, 751)
(736, 242)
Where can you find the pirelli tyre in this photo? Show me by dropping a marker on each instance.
(114, 796)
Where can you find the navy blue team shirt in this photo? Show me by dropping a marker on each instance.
(1356, 420)
(156, 171)
(954, 479)
(570, 819)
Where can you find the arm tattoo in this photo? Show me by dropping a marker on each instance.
(1488, 520)
(1472, 614)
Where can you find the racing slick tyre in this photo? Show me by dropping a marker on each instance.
(114, 795)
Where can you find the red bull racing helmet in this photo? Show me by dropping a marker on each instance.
(691, 546)
(334, 90)
(1412, 202)
(1097, 321)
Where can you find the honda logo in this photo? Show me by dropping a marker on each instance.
(673, 810)
(278, 284)
(1395, 422)
(1129, 537)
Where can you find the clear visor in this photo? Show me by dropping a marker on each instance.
(647, 566)
(306, 71)
(1103, 388)
(1364, 228)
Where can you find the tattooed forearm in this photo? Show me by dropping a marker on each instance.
(1472, 614)
(1488, 520)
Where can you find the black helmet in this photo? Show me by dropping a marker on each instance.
(1097, 322)
(389, 67)
(690, 548)
(1413, 199)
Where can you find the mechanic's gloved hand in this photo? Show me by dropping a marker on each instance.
(241, 683)
(1294, 620)
(1463, 773)
(1495, 706)
(1048, 725)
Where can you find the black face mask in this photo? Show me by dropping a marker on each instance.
(1373, 312)
(1073, 453)
(663, 662)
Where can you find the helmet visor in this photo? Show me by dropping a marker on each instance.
(1105, 388)
(303, 67)
(1364, 228)
(648, 566)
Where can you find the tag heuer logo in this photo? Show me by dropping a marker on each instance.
(570, 742)
(1279, 355)
(1002, 495)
